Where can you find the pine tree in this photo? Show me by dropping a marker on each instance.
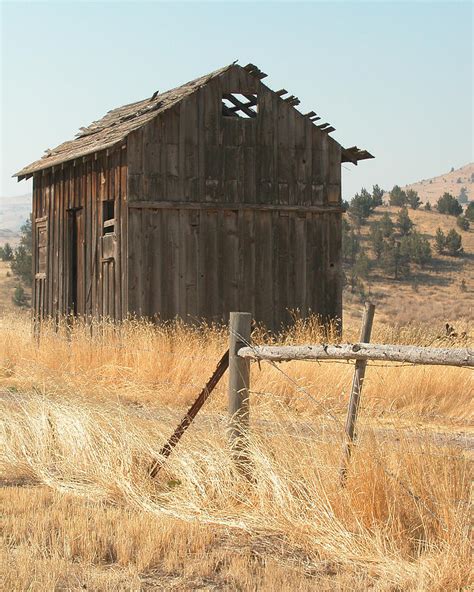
(361, 207)
(396, 259)
(6, 252)
(440, 241)
(463, 223)
(377, 196)
(359, 271)
(418, 248)
(376, 240)
(463, 197)
(350, 243)
(386, 225)
(469, 213)
(404, 223)
(427, 207)
(397, 196)
(447, 204)
(413, 199)
(453, 243)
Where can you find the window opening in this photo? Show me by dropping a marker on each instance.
(239, 105)
(108, 216)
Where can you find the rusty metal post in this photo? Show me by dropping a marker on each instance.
(354, 401)
(239, 380)
(191, 414)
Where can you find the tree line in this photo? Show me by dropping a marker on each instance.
(395, 246)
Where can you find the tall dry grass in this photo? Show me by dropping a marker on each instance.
(142, 363)
(86, 415)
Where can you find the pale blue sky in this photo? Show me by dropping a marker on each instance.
(393, 77)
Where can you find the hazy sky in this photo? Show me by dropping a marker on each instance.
(393, 77)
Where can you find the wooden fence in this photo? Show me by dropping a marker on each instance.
(241, 352)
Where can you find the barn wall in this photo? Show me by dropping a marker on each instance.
(192, 153)
(56, 195)
(234, 214)
(204, 262)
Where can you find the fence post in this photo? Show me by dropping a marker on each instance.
(239, 379)
(357, 383)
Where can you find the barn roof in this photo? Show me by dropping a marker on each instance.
(115, 126)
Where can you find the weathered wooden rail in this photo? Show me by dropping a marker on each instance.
(241, 352)
(409, 354)
(360, 352)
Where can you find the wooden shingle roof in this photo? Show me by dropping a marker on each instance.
(115, 126)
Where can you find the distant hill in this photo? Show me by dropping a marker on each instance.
(435, 294)
(451, 182)
(14, 211)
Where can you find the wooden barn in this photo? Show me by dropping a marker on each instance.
(215, 196)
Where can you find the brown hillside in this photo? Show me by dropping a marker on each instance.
(432, 294)
(451, 182)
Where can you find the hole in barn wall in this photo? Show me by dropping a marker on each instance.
(108, 216)
(239, 105)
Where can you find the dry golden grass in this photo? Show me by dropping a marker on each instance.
(84, 416)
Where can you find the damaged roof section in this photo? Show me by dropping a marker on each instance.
(113, 129)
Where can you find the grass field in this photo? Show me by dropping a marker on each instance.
(84, 416)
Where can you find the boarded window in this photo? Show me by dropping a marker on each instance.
(239, 105)
(41, 246)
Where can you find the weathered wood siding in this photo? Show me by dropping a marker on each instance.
(192, 153)
(227, 213)
(203, 263)
(76, 193)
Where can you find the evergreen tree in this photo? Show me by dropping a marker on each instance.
(350, 243)
(440, 241)
(449, 205)
(377, 196)
(386, 225)
(427, 207)
(463, 197)
(404, 223)
(361, 207)
(397, 196)
(359, 271)
(413, 199)
(469, 213)
(453, 243)
(463, 223)
(396, 259)
(6, 252)
(417, 247)
(376, 239)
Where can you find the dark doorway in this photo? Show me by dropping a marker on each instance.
(76, 262)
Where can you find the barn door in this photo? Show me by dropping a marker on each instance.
(76, 278)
